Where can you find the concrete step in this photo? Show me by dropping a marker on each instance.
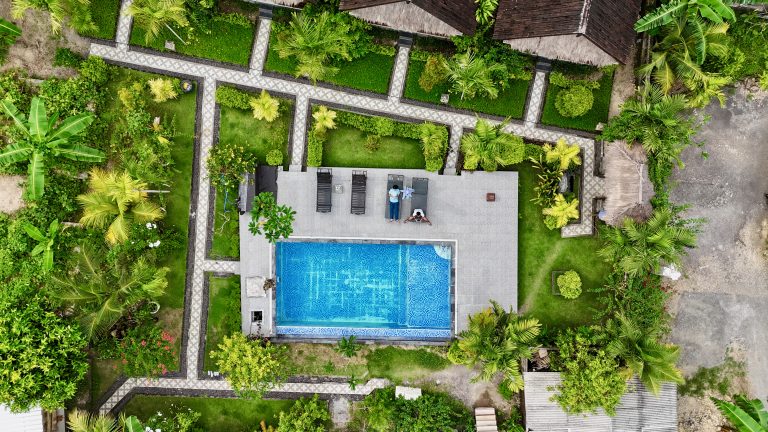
(487, 429)
(485, 411)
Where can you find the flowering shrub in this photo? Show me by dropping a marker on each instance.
(227, 162)
(144, 351)
(179, 419)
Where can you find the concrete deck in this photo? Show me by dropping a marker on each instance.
(485, 233)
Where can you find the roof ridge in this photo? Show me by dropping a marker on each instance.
(584, 18)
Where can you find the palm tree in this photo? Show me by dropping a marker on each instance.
(325, 119)
(77, 10)
(153, 15)
(81, 421)
(640, 248)
(116, 200)
(745, 415)
(653, 362)
(471, 76)
(100, 297)
(40, 139)
(563, 154)
(485, 10)
(496, 340)
(489, 146)
(714, 10)
(313, 41)
(265, 107)
(683, 48)
(45, 242)
(561, 211)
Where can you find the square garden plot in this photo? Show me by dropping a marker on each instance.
(602, 99)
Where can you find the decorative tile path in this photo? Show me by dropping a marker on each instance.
(209, 76)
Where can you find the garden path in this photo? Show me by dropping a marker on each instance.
(209, 76)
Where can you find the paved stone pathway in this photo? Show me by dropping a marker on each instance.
(210, 76)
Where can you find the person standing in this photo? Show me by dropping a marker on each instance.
(394, 203)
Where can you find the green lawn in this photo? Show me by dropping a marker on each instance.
(397, 364)
(541, 251)
(509, 103)
(260, 136)
(223, 313)
(587, 122)
(218, 415)
(370, 72)
(103, 375)
(345, 147)
(104, 14)
(228, 43)
(226, 226)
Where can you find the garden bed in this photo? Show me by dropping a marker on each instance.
(223, 314)
(105, 14)
(345, 147)
(587, 122)
(509, 103)
(226, 226)
(227, 43)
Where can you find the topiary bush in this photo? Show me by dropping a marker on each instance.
(434, 165)
(315, 141)
(275, 157)
(569, 284)
(574, 101)
(233, 98)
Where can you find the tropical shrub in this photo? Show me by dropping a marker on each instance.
(562, 155)
(574, 101)
(233, 98)
(716, 11)
(517, 65)
(272, 219)
(275, 157)
(78, 12)
(569, 284)
(324, 119)
(485, 10)
(315, 141)
(434, 143)
(145, 350)
(163, 89)
(9, 32)
(227, 162)
(265, 107)
(496, 340)
(561, 212)
(745, 415)
(154, 16)
(383, 126)
(177, 419)
(307, 414)
(490, 147)
(372, 143)
(749, 35)
(348, 346)
(82, 421)
(251, 367)
(434, 72)
(640, 298)
(471, 76)
(67, 58)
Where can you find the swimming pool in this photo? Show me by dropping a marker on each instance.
(332, 289)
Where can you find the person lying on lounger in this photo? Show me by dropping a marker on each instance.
(418, 216)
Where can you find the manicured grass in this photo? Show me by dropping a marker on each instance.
(587, 122)
(103, 375)
(104, 14)
(541, 251)
(226, 227)
(509, 103)
(397, 364)
(260, 136)
(228, 43)
(345, 147)
(218, 415)
(223, 313)
(370, 72)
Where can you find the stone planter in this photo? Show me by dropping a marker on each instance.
(555, 288)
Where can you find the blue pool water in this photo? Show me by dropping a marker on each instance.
(375, 290)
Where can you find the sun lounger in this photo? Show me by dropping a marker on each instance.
(324, 180)
(392, 180)
(419, 198)
(359, 182)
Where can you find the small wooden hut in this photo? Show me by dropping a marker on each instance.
(436, 18)
(628, 189)
(596, 32)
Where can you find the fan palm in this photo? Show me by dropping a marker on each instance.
(45, 242)
(682, 49)
(641, 247)
(77, 10)
(471, 76)
(653, 362)
(313, 41)
(563, 154)
(713, 10)
(154, 15)
(265, 107)
(115, 201)
(496, 340)
(489, 146)
(561, 211)
(41, 139)
(745, 415)
(102, 296)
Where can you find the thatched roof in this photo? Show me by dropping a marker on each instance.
(639, 409)
(440, 18)
(628, 189)
(598, 32)
(289, 3)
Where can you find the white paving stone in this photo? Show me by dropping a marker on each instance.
(260, 46)
(124, 26)
(221, 266)
(533, 112)
(397, 83)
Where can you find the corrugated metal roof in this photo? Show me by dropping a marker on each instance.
(30, 421)
(639, 409)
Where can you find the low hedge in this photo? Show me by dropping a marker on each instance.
(233, 98)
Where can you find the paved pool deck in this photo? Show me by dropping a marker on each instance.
(484, 233)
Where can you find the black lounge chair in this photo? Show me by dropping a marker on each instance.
(324, 179)
(392, 180)
(359, 182)
(419, 197)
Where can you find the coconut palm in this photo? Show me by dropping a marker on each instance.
(496, 340)
(683, 47)
(40, 139)
(265, 107)
(643, 354)
(116, 200)
(713, 10)
(154, 15)
(45, 242)
(325, 119)
(563, 154)
(77, 10)
(560, 212)
(489, 146)
(101, 296)
(745, 415)
(471, 76)
(640, 248)
(312, 41)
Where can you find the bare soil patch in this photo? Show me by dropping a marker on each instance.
(11, 193)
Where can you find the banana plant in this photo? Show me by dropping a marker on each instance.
(41, 140)
(8, 32)
(45, 242)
